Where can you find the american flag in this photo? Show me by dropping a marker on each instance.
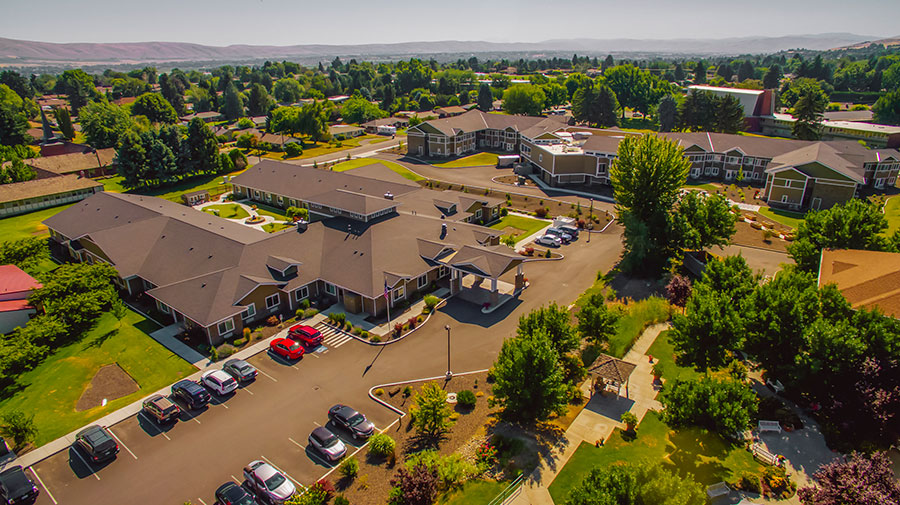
(386, 290)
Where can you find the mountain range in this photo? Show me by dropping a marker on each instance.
(23, 52)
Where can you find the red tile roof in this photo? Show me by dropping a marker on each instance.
(14, 280)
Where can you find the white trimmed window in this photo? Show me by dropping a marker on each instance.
(443, 272)
(399, 292)
(273, 301)
(226, 326)
(249, 312)
(330, 289)
(162, 307)
(301, 293)
(422, 281)
(478, 214)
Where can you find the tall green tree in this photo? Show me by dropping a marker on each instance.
(288, 90)
(704, 221)
(485, 97)
(357, 109)
(526, 99)
(723, 405)
(773, 77)
(595, 321)
(258, 100)
(887, 108)
(233, 106)
(529, 381)
(631, 86)
(103, 124)
(131, 159)
(667, 113)
(628, 483)
(16, 171)
(201, 149)
(77, 293)
(64, 122)
(809, 112)
(745, 71)
(729, 115)
(595, 104)
(172, 89)
(700, 72)
(553, 321)
(78, 86)
(679, 72)
(155, 108)
(13, 126)
(162, 161)
(647, 176)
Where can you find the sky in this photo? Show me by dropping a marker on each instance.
(287, 22)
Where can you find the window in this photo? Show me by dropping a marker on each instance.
(540, 157)
(226, 326)
(784, 198)
(273, 301)
(715, 171)
(443, 272)
(399, 292)
(422, 281)
(330, 289)
(301, 293)
(162, 307)
(478, 214)
(268, 197)
(249, 312)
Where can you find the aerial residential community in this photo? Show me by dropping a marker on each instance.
(310, 263)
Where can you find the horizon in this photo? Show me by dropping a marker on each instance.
(356, 22)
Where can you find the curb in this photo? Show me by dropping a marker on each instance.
(391, 341)
(400, 383)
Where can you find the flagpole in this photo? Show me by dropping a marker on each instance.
(387, 299)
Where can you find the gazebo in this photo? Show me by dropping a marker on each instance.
(608, 371)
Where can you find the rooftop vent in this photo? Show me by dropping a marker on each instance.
(389, 196)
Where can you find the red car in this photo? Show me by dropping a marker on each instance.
(287, 348)
(309, 336)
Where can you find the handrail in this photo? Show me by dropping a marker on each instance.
(509, 492)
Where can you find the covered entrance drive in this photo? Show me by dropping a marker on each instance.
(475, 275)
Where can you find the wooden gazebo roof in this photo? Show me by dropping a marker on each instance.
(612, 369)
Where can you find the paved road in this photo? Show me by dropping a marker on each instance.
(271, 418)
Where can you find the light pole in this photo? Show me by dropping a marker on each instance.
(449, 373)
(590, 221)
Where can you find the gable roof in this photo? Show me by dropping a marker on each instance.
(610, 368)
(14, 280)
(476, 120)
(820, 153)
(45, 187)
(867, 279)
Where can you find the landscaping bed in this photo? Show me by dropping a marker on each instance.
(746, 235)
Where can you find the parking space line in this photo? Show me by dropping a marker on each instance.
(246, 390)
(267, 375)
(89, 467)
(317, 424)
(201, 501)
(312, 452)
(235, 479)
(123, 443)
(223, 404)
(295, 481)
(41, 482)
(155, 427)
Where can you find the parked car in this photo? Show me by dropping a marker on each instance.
(97, 443)
(287, 348)
(549, 240)
(571, 230)
(306, 335)
(219, 382)
(327, 443)
(240, 370)
(16, 487)
(565, 237)
(231, 493)
(354, 422)
(268, 483)
(161, 408)
(191, 393)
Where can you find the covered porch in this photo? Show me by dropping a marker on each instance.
(475, 275)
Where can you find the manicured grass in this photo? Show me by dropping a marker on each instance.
(313, 149)
(172, 192)
(525, 225)
(476, 160)
(784, 217)
(637, 316)
(703, 454)
(51, 391)
(27, 225)
(113, 184)
(266, 210)
(475, 492)
(892, 213)
(227, 211)
(664, 354)
(362, 162)
(274, 227)
(705, 187)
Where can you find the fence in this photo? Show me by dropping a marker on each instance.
(511, 491)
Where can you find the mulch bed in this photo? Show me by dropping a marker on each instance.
(110, 382)
(746, 235)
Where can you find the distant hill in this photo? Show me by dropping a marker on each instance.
(892, 41)
(23, 52)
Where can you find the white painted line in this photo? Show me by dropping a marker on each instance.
(312, 452)
(235, 479)
(201, 501)
(333, 468)
(267, 375)
(298, 444)
(317, 424)
(314, 355)
(295, 481)
(123, 443)
(246, 390)
(155, 427)
(41, 482)
(89, 467)
(223, 404)
(194, 418)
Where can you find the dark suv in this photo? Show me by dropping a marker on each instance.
(351, 420)
(97, 443)
(16, 487)
(192, 394)
(232, 494)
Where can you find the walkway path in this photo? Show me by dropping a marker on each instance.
(247, 208)
(597, 420)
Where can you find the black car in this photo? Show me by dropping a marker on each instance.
(191, 393)
(97, 443)
(16, 487)
(233, 494)
(240, 370)
(352, 421)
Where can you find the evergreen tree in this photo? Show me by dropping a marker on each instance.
(679, 72)
(529, 382)
(485, 97)
(131, 159)
(667, 113)
(700, 73)
(201, 149)
(13, 126)
(745, 71)
(173, 91)
(258, 100)
(809, 112)
(887, 108)
(772, 77)
(161, 160)
(64, 121)
(233, 107)
(725, 71)
(608, 62)
(595, 104)
(729, 115)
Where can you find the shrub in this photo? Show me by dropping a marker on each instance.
(541, 212)
(407, 391)
(629, 419)
(398, 327)
(420, 319)
(431, 301)
(466, 399)
(412, 322)
(293, 150)
(529, 251)
(18, 427)
(272, 321)
(246, 333)
(340, 500)
(224, 351)
(304, 303)
(748, 481)
(364, 334)
(338, 318)
(381, 445)
(379, 392)
(504, 212)
(239, 342)
(357, 331)
(310, 313)
(405, 328)
(547, 254)
(349, 467)
(375, 338)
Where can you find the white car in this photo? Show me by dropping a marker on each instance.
(219, 381)
(268, 482)
(549, 240)
(327, 443)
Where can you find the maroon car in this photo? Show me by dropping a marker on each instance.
(307, 335)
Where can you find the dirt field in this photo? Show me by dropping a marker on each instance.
(110, 382)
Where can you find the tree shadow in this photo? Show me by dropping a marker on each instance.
(100, 340)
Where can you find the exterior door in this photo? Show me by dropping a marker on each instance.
(816, 203)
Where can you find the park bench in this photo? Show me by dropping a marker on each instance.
(769, 426)
(764, 456)
(717, 490)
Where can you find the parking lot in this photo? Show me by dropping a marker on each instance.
(268, 419)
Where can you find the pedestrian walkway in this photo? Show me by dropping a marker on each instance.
(168, 338)
(597, 420)
(333, 338)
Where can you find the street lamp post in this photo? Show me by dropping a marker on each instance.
(449, 373)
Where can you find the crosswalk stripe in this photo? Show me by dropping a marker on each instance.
(332, 337)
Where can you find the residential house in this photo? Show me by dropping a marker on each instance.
(214, 276)
(207, 117)
(345, 131)
(15, 288)
(449, 111)
(867, 279)
(36, 194)
(86, 163)
(373, 125)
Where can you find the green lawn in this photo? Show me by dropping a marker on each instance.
(273, 227)
(892, 213)
(362, 162)
(703, 454)
(525, 225)
(227, 211)
(474, 492)
(27, 225)
(267, 210)
(51, 391)
(663, 352)
(113, 184)
(476, 160)
(705, 187)
(784, 217)
(637, 316)
(171, 192)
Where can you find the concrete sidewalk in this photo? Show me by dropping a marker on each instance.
(168, 338)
